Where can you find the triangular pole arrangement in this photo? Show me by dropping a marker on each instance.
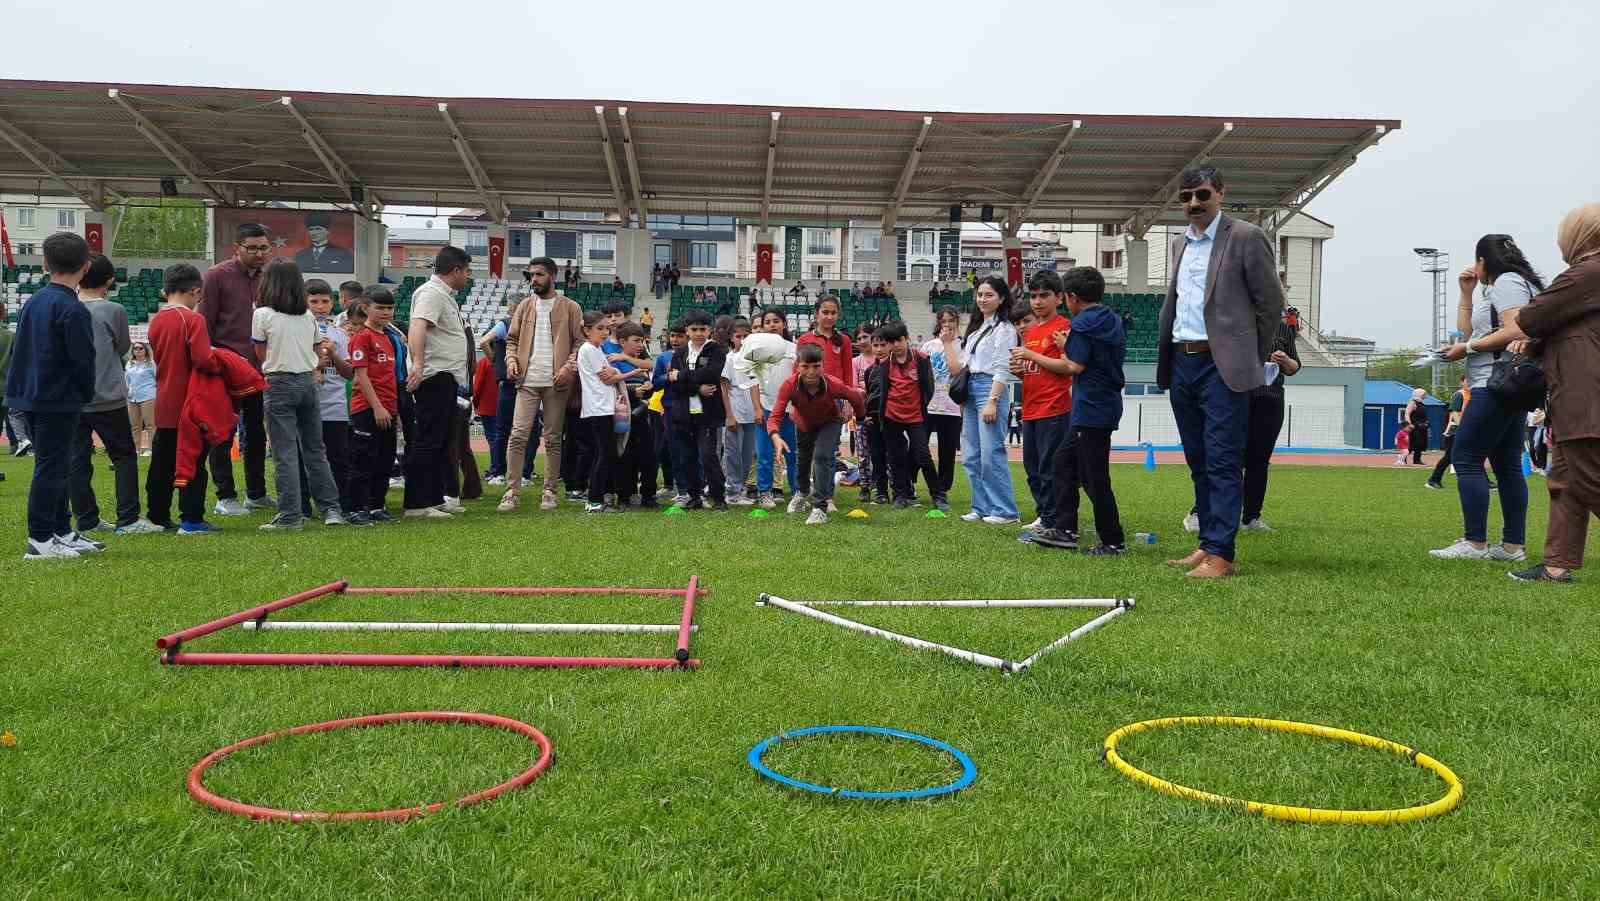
(1114, 607)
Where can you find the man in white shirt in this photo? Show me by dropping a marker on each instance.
(546, 327)
(436, 344)
(1217, 328)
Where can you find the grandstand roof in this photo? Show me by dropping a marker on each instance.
(234, 145)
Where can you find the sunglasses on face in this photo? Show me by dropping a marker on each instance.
(1201, 195)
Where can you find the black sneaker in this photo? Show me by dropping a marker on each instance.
(695, 503)
(358, 520)
(902, 503)
(720, 505)
(380, 517)
(1102, 550)
(1540, 574)
(880, 498)
(577, 495)
(941, 504)
(1056, 538)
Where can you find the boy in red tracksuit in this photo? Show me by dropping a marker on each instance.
(209, 417)
(812, 401)
(179, 345)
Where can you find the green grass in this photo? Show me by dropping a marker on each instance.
(1338, 618)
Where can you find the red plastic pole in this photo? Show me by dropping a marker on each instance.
(686, 624)
(514, 590)
(233, 659)
(217, 625)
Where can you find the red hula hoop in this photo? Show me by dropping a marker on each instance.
(197, 787)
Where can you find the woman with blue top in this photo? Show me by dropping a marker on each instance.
(988, 342)
(1488, 428)
(142, 397)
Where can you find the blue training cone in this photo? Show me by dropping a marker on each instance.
(1527, 465)
(1149, 456)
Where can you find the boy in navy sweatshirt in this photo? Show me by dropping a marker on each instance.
(52, 377)
(1094, 350)
(694, 390)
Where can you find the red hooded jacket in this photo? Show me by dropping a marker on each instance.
(208, 419)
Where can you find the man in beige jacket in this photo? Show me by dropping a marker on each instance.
(541, 345)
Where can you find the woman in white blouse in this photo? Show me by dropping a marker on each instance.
(988, 342)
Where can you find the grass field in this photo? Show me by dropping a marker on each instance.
(1338, 618)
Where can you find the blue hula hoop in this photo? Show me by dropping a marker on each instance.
(969, 771)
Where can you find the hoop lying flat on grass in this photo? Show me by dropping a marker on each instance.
(1445, 804)
(197, 786)
(969, 770)
(1118, 606)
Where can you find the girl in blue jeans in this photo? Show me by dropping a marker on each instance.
(988, 342)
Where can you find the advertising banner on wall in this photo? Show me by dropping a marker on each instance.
(318, 241)
(791, 252)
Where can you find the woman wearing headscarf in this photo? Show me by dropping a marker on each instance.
(1562, 327)
(1490, 430)
(1417, 415)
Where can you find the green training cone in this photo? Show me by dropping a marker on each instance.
(759, 513)
(673, 510)
(935, 514)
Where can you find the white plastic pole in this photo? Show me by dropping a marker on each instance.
(336, 626)
(1018, 602)
(1079, 632)
(919, 644)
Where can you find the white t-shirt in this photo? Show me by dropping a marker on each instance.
(330, 394)
(541, 363)
(941, 403)
(739, 396)
(444, 349)
(599, 399)
(290, 340)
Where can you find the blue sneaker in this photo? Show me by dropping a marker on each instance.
(197, 528)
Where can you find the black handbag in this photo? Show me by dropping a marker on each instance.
(1516, 379)
(961, 386)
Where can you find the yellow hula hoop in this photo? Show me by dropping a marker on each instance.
(1445, 804)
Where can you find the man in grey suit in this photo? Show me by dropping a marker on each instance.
(1217, 325)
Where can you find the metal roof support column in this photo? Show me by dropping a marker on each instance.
(1295, 200)
(51, 164)
(492, 204)
(1042, 179)
(337, 168)
(892, 214)
(772, 159)
(175, 153)
(611, 167)
(633, 164)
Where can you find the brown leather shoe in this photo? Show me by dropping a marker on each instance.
(1190, 561)
(1212, 567)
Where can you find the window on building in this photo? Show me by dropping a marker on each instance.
(820, 241)
(66, 218)
(702, 255)
(923, 242)
(663, 254)
(1111, 229)
(1111, 259)
(25, 217)
(867, 241)
(26, 249)
(602, 247)
(1283, 250)
(477, 242)
(867, 272)
(922, 272)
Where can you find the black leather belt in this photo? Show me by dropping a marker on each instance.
(1192, 347)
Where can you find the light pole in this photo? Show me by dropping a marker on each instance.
(1436, 263)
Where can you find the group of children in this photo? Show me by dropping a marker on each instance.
(728, 396)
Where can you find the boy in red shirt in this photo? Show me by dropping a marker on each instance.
(1046, 394)
(374, 407)
(812, 400)
(898, 390)
(179, 344)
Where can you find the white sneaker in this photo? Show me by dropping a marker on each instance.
(797, 503)
(230, 507)
(1498, 552)
(816, 518)
(260, 503)
(974, 516)
(1001, 520)
(81, 544)
(334, 518)
(1255, 525)
(452, 505)
(679, 500)
(495, 480)
(527, 483)
(831, 507)
(1036, 525)
(103, 526)
(48, 550)
(740, 500)
(1461, 550)
(139, 527)
(426, 513)
(1191, 523)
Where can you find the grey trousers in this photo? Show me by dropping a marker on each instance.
(294, 425)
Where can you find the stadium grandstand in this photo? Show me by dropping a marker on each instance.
(743, 188)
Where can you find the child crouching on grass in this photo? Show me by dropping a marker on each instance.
(812, 401)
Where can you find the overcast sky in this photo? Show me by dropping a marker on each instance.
(1498, 102)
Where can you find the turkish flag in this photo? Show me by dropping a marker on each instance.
(5, 242)
(497, 256)
(95, 234)
(1014, 267)
(764, 263)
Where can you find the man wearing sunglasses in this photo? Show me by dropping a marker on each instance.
(1217, 327)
